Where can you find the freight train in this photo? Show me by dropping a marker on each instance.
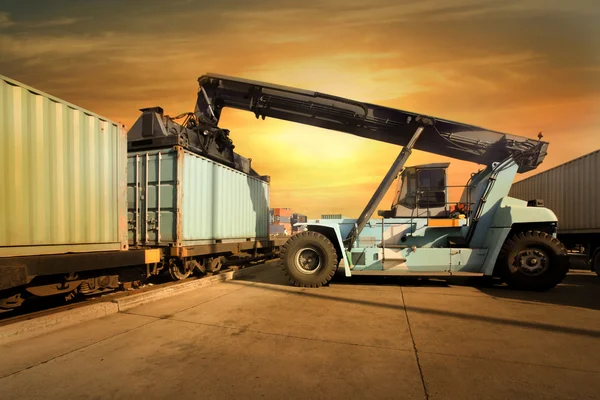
(87, 207)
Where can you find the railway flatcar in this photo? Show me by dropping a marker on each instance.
(88, 207)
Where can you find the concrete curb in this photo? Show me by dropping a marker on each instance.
(49, 323)
(129, 302)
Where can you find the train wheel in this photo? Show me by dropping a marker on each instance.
(179, 270)
(214, 264)
(11, 302)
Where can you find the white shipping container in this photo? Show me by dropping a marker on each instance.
(178, 198)
(62, 176)
(571, 190)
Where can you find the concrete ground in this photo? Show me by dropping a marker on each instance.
(258, 338)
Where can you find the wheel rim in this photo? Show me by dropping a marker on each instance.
(532, 262)
(308, 260)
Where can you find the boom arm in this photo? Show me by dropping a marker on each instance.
(443, 137)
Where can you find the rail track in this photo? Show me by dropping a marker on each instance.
(44, 306)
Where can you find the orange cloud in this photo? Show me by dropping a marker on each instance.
(520, 67)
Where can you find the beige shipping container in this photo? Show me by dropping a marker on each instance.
(62, 176)
(571, 190)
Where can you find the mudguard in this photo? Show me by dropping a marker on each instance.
(332, 231)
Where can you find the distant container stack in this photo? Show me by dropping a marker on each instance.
(333, 216)
(281, 212)
(280, 221)
(277, 229)
(283, 220)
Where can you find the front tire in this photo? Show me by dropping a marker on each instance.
(532, 260)
(309, 259)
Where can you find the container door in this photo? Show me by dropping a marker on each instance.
(151, 197)
(136, 177)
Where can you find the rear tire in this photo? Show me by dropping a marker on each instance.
(532, 260)
(309, 259)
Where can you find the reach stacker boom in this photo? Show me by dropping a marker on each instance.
(486, 233)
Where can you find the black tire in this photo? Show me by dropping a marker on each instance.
(309, 259)
(532, 260)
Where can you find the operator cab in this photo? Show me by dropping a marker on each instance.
(422, 192)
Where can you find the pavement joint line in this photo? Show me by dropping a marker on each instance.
(243, 329)
(508, 361)
(446, 313)
(77, 349)
(416, 351)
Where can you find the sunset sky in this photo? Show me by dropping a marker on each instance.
(515, 66)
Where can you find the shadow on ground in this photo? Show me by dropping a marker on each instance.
(580, 288)
(276, 282)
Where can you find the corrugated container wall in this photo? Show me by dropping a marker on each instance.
(571, 190)
(176, 197)
(62, 176)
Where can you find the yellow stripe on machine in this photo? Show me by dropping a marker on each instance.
(443, 222)
(152, 256)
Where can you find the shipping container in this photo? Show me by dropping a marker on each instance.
(298, 218)
(286, 212)
(281, 219)
(277, 229)
(286, 225)
(62, 176)
(179, 198)
(572, 191)
(332, 216)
